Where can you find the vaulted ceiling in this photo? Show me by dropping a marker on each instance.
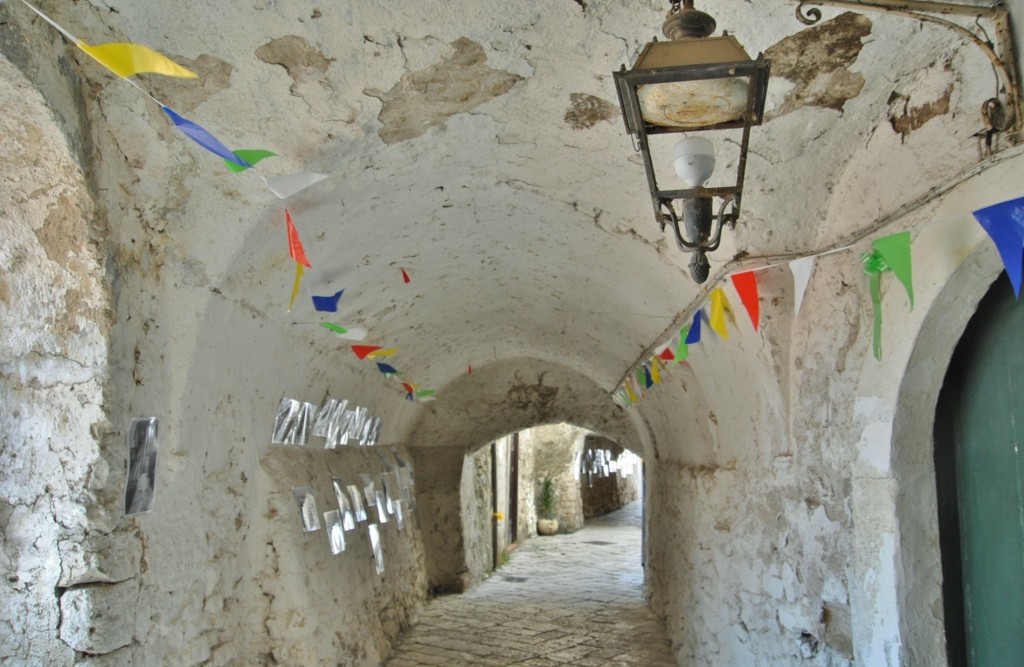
(478, 145)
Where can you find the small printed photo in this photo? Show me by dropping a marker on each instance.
(377, 546)
(140, 485)
(307, 508)
(335, 533)
(348, 517)
(357, 502)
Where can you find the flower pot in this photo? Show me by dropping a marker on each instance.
(547, 526)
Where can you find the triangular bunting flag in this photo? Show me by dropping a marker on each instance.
(286, 185)
(334, 328)
(655, 371)
(405, 276)
(719, 304)
(362, 351)
(327, 304)
(895, 250)
(746, 286)
(199, 135)
(379, 353)
(126, 59)
(295, 287)
(684, 349)
(386, 369)
(801, 268)
(693, 335)
(295, 248)
(248, 155)
(1005, 225)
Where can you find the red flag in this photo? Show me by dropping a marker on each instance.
(667, 355)
(363, 350)
(469, 370)
(294, 244)
(409, 388)
(405, 276)
(746, 286)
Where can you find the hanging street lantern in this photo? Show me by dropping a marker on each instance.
(693, 83)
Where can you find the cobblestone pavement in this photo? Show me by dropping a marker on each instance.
(563, 600)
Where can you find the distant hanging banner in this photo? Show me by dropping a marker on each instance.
(1005, 225)
(891, 253)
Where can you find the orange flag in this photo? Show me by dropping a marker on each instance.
(295, 248)
(746, 286)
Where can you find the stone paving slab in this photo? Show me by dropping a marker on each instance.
(569, 600)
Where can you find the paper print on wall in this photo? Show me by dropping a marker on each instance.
(307, 508)
(356, 496)
(140, 485)
(335, 532)
(399, 515)
(377, 547)
(293, 422)
(381, 505)
(348, 515)
(390, 490)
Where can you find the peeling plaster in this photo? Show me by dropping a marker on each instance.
(427, 98)
(817, 61)
(586, 111)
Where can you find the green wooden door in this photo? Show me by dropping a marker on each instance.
(984, 397)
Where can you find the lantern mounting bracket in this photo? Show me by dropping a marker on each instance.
(1001, 113)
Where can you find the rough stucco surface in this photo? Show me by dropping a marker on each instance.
(787, 488)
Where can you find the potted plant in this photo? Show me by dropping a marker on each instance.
(547, 522)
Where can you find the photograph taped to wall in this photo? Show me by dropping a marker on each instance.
(140, 484)
(335, 532)
(355, 424)
(292, 422)
(374, 431)
(381, 505)
(389, 492)
(366, 437)
(348, 516)
(369, 490)
(339, 433)
(377, 547)
(392, 459)
(356, 496)
(324, 415)
(307, 508)
(399, 515)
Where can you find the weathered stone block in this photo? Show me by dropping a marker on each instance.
(98, 619)
(99, 558)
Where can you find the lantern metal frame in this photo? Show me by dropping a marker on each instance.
(628, 82)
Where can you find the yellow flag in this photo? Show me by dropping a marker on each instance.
(632, 396)
(382, 353)
(719, 304)
(655, 371)
(295, 289)
(125, 59)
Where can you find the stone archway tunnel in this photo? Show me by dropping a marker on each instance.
(487, 220)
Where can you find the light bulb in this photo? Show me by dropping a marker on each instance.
(694, 160)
